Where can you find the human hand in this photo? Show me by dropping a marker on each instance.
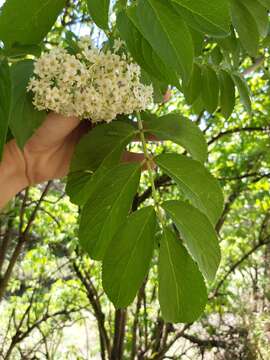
(46, 156)
(49, 152)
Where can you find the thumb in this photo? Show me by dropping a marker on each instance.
(53, 130)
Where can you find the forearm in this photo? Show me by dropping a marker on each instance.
(12, 173)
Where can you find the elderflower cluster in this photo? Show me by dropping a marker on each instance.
(93, 84)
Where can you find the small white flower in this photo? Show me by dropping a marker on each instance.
(85, 42)
(93, 84)
(118, 43)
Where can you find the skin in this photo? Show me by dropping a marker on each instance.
(46, 156)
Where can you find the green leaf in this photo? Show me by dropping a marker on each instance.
(131, 31)
(209, 16)
(198, 41)
(99, 12)
(107, 208)
(168, 35)
(81, 186)
(246, 27)
(232, 49)
(210, 88)
(22, 50)
(5, 101)
(76, 183)
(198, 106)
(120, 5)
(99, 143)
(197, 184)
(243, 91)
(265, 3)
(193, 89)
(227, 94)
(131, 35)
(216, 56)
(182, 291)
(136, 44)
(128, 257)
(259, 14)
(159, 88)
(198, 235)
(27, 22)
(180, 130)
(71, 43)
(24, 118)
(99, 150)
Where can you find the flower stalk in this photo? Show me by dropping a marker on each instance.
(149, 161)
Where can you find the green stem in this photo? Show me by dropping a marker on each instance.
(149, 162)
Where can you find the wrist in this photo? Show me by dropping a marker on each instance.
(13, 177)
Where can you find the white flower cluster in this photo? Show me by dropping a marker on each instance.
(93, 84)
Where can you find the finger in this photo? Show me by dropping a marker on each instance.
(131, 157)
(53, 130)
(148, 137)
(83, 128)
(167, 96)
(59, 125)
(53, 162)
(69, 146)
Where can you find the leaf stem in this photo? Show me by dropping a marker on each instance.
(149, 161)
